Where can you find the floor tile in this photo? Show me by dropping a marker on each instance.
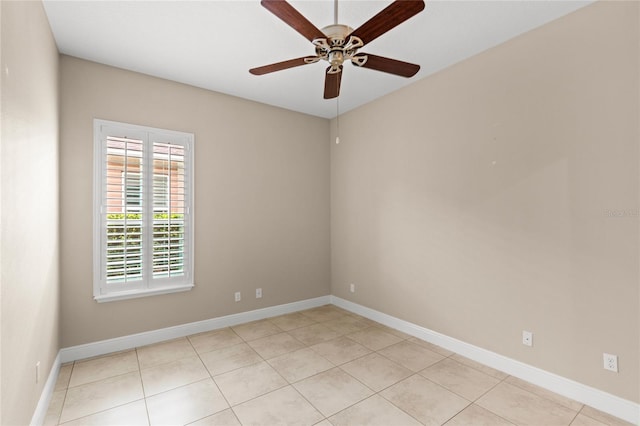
(340, 350)
(410, 355)
(281, 407)
(256, 329)
(186, 404)
(323, 313)
(300, 364)
(226, 359)
(134, 413)
(367, 321)
(249, 382)
(582, 420)
(103, 367)
(313, 334)
(292, 321)
(55, 407)
(524, 408)
(173, 374)
(426, 401)
(332, 391)
(477, 416)
(373, 411)
(376, 371)
(102, 395)
(603, 417)
(275, 345)
(460, 379)
(346, 324)
(325, 422)
(397, 333)
(435, 348)
(160, 353)
(374, 338)
(63, 377)
(223, 418)
(212, 340)
(562, 400)
(484, 368)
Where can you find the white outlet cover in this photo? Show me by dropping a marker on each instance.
(352, 288)
(610, 362)
(238, 297)
(258, 293)
(527, 338)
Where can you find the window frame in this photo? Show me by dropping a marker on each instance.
(148, 285)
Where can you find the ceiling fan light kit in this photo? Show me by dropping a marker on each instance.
(338, 43)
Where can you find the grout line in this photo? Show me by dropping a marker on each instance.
(574, 417)
(456, 414)
(106, 409)
(104, 378)
(543, 396)
(66, 390)
(308, 401)
(392, 403)
(144, 394)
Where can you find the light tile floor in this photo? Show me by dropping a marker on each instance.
(322, 366)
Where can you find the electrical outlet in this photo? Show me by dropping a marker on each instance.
(527, 338)
(352, 288)
(258, 293)
(610, 362)
(37, 372)
(238, 296)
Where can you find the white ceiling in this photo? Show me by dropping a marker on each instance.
(213, 44)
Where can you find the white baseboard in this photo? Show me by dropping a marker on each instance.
(47, 392)
(603, 401)
(149, 337)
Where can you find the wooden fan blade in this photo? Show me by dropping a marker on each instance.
(293, 18)
(279, 66)
(388, 18)
(392, 66)
(332, 84)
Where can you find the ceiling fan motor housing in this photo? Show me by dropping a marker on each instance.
(338, 47)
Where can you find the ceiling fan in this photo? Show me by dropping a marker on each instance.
(338, 43)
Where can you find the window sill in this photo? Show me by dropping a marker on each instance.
(123, 295)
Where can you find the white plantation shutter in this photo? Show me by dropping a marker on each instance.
(169, 210)
(143, 226)
(122, 210)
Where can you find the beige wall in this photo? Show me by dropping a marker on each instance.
(261, 200)
(476, 202)
(29, 218)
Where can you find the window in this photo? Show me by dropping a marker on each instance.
(143, 211)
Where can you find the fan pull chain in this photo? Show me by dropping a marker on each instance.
(335, 21)
(337, 120)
